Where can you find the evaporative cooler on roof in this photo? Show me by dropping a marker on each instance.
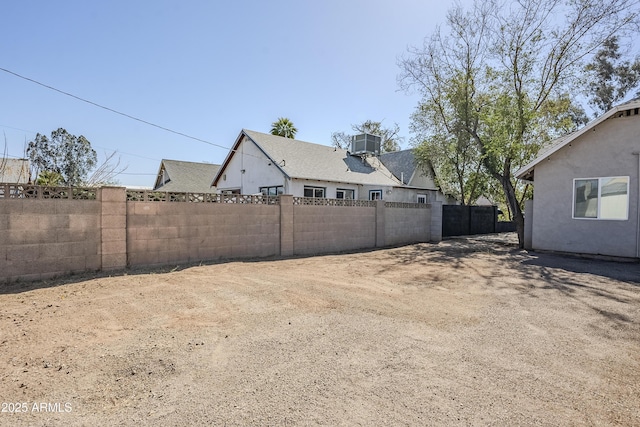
(365, 144)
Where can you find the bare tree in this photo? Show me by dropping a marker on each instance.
(390, 136)
(3, 159)
(107, 171)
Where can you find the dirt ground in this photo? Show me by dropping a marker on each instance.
(465, 332)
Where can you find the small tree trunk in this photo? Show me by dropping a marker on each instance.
(516, 212)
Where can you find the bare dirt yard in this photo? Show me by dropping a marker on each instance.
(465, 332)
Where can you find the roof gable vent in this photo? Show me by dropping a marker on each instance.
(365, 144)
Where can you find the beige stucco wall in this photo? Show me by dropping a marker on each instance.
(603, 152)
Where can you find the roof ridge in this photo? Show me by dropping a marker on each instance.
(296, 140)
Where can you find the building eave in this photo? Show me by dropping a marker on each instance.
(234, 150)
(526, 172)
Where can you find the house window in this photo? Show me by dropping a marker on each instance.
(342, 193)
(234, 191)
(275, 190)
(601, 198)
(375, 194)
(314, 191)
(422, 198)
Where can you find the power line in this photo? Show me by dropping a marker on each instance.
(133, 173)
(111, 109)
(127, 154)
(123, 114)
(24, 130)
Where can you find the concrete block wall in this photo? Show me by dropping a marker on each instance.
(46, 238)
(162, 233)
(42, 238)
(436, 222)
(113, 225)
(407, 225)
(322, 229)
(286, 225)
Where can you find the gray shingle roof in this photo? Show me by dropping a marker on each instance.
(401, 163)
(188, 177)
(305, 160)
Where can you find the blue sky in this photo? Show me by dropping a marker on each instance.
(204, 68)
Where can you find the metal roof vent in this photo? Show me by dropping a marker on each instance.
(365, 144)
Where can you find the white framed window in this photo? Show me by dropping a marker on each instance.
(314, 191)
(343, 193)
(601, 198)
(422, 198)
(275, 190)
(375, 194)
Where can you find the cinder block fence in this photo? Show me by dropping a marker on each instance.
(48, 232)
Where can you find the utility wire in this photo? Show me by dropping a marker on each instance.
(112, 110)
(122, 114)
(135, 173)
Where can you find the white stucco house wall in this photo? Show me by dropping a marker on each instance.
(14, 171)
(268, 164)
(586, 190)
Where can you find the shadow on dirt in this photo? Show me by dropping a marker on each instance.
(454, 252)
(607, 288)
(627, 272)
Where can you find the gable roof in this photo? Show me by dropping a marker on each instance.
(306, 160)
(628, 108)
(402, 164)
(14, 171)
(186, 177)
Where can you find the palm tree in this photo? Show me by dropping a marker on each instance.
(50, 179)
(283, 127)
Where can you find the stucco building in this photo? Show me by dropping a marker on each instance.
(272, 165)
(586, 189)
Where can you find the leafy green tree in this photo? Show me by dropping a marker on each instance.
(512, 68)
(442, 142)
(283, 127)
(69, 156)
(390, 138)
(610, 78)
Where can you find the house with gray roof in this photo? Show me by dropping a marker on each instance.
(587, 190)
(185, 177)
(269, 164)
(14, 171)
